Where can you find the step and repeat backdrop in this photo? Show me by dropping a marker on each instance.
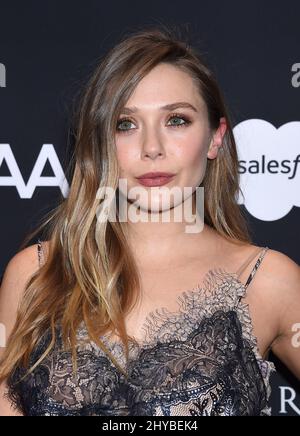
(47, 51)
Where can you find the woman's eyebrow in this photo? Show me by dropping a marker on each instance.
(167, 107)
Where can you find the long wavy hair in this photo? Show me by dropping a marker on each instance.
(90, 275)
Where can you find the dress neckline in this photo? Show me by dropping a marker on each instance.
(207, 284)
(202, 287)
(224, 291)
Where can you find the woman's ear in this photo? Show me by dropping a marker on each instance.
(217, 139)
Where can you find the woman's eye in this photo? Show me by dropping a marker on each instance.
(122, 122)
(123, 125)
(178, 123)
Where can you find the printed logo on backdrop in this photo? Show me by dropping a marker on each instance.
(2, 76)
(296, 77)
(269, 167)
(26, 190)
(288, 400)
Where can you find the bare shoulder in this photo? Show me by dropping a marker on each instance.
(277, 272)
(277, 279)
(20, 268)
(18, 271)
(285, 291)
(282, 272)
(22, 264)
(276, 268)
(276, 288)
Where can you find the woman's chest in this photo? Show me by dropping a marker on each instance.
(173, 298)
(207, 368)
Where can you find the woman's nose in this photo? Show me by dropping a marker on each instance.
(152, 146)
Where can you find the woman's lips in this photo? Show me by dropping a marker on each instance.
(155, 181)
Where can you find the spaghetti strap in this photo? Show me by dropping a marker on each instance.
(252, 273)
(254, 269)
(40, 252)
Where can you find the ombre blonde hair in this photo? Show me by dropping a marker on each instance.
(90, 275)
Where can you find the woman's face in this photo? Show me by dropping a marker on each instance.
(177, 140)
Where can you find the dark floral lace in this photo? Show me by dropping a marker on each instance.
(200, 360)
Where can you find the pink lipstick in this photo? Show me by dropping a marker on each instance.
(155, 178)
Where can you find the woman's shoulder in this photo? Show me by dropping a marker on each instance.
(23, 263)
(282, 278)
(20, 268)
(281, 298)
(26, 260)
(275, 266)
(279, 270)
(276, 285)
(275, 276)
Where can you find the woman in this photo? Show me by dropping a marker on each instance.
(140, 316)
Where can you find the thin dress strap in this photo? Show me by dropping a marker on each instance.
(254, 269)
(40, 252)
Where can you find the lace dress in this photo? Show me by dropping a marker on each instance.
(200, 360)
